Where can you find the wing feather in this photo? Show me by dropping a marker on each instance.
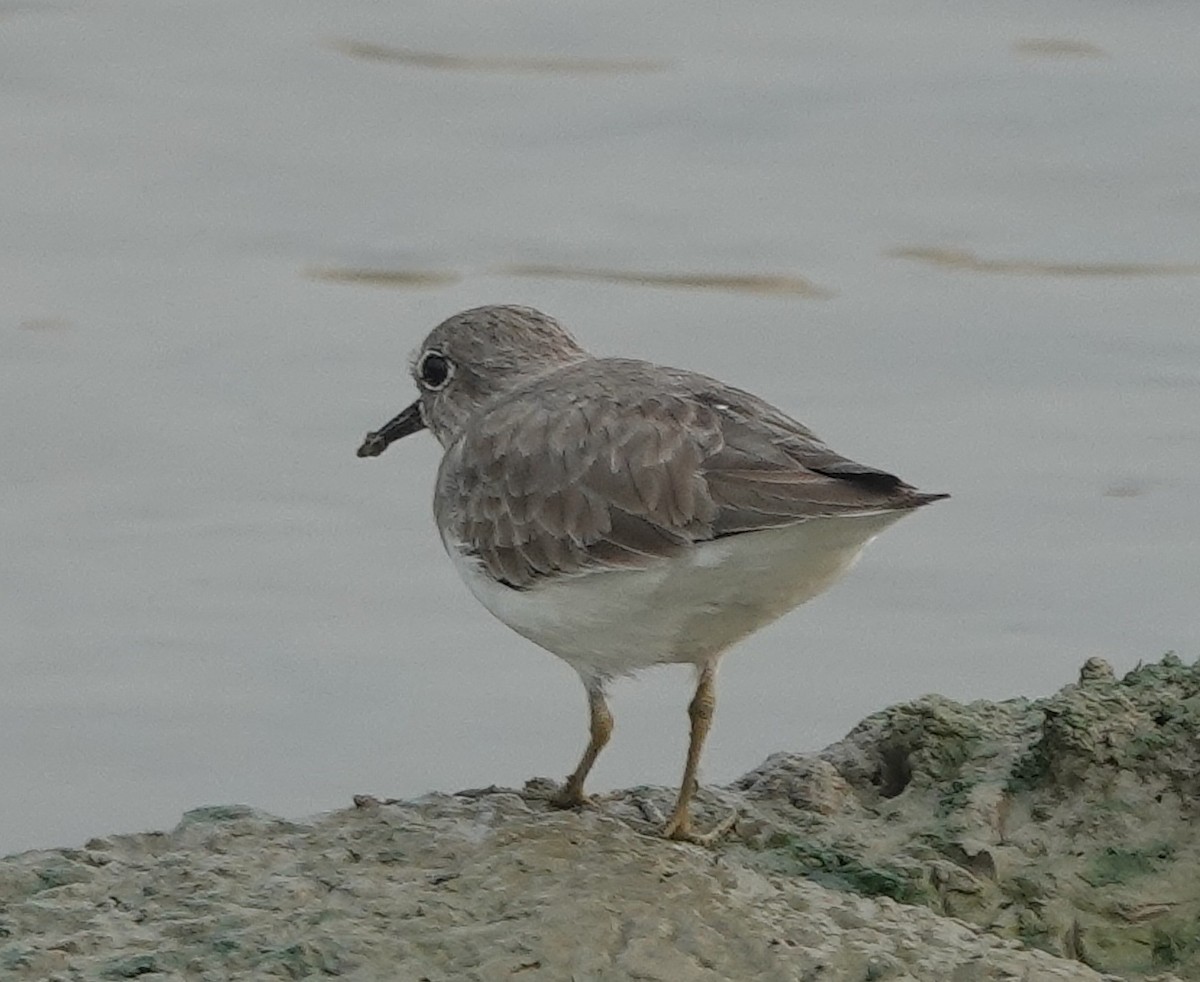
(613, 464)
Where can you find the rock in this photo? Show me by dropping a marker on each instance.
(1040, 840)
(1068, 823)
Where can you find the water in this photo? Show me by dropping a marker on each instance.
(223, 226)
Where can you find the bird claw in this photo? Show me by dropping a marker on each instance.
(679, 829)
(570, 797)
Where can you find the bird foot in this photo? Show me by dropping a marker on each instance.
(570, 796)
(679, 829)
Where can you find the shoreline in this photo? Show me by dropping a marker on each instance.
(1049, 838)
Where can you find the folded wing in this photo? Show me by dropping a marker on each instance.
(629, 465)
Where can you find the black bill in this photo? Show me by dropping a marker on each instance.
(407, 422)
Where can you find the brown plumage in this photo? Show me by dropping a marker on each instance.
(621, 514)
(613, 463)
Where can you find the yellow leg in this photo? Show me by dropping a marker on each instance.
(700, 712)
(572, 796)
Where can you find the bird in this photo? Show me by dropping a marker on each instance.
(622, 514)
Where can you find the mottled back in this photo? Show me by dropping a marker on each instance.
(607, 463)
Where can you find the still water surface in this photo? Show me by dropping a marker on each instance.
(958, 239)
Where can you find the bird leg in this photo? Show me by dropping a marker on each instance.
(700, 712)
(571, 795)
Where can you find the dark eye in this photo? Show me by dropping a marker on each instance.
(434, 369)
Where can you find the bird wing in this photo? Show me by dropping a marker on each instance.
(621, 467)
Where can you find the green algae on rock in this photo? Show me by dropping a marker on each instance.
(1071, 823)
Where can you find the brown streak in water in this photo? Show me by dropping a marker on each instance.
(1126, 489)
(382, 277)
(45, 324)
(1057, 48)
(961, 259)
(747, 283)
(531, 64)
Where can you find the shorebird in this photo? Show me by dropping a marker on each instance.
(622, 514)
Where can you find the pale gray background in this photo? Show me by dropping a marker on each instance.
(205, 597)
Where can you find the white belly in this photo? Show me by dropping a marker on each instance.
(686, 609)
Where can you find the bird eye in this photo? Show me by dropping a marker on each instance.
(434, 369)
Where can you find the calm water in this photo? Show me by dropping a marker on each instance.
(959, 240)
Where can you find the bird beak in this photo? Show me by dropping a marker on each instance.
(409, 421)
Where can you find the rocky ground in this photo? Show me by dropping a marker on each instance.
(1030, 839)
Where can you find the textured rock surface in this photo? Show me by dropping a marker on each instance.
(1070, 823)
(937, 841)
